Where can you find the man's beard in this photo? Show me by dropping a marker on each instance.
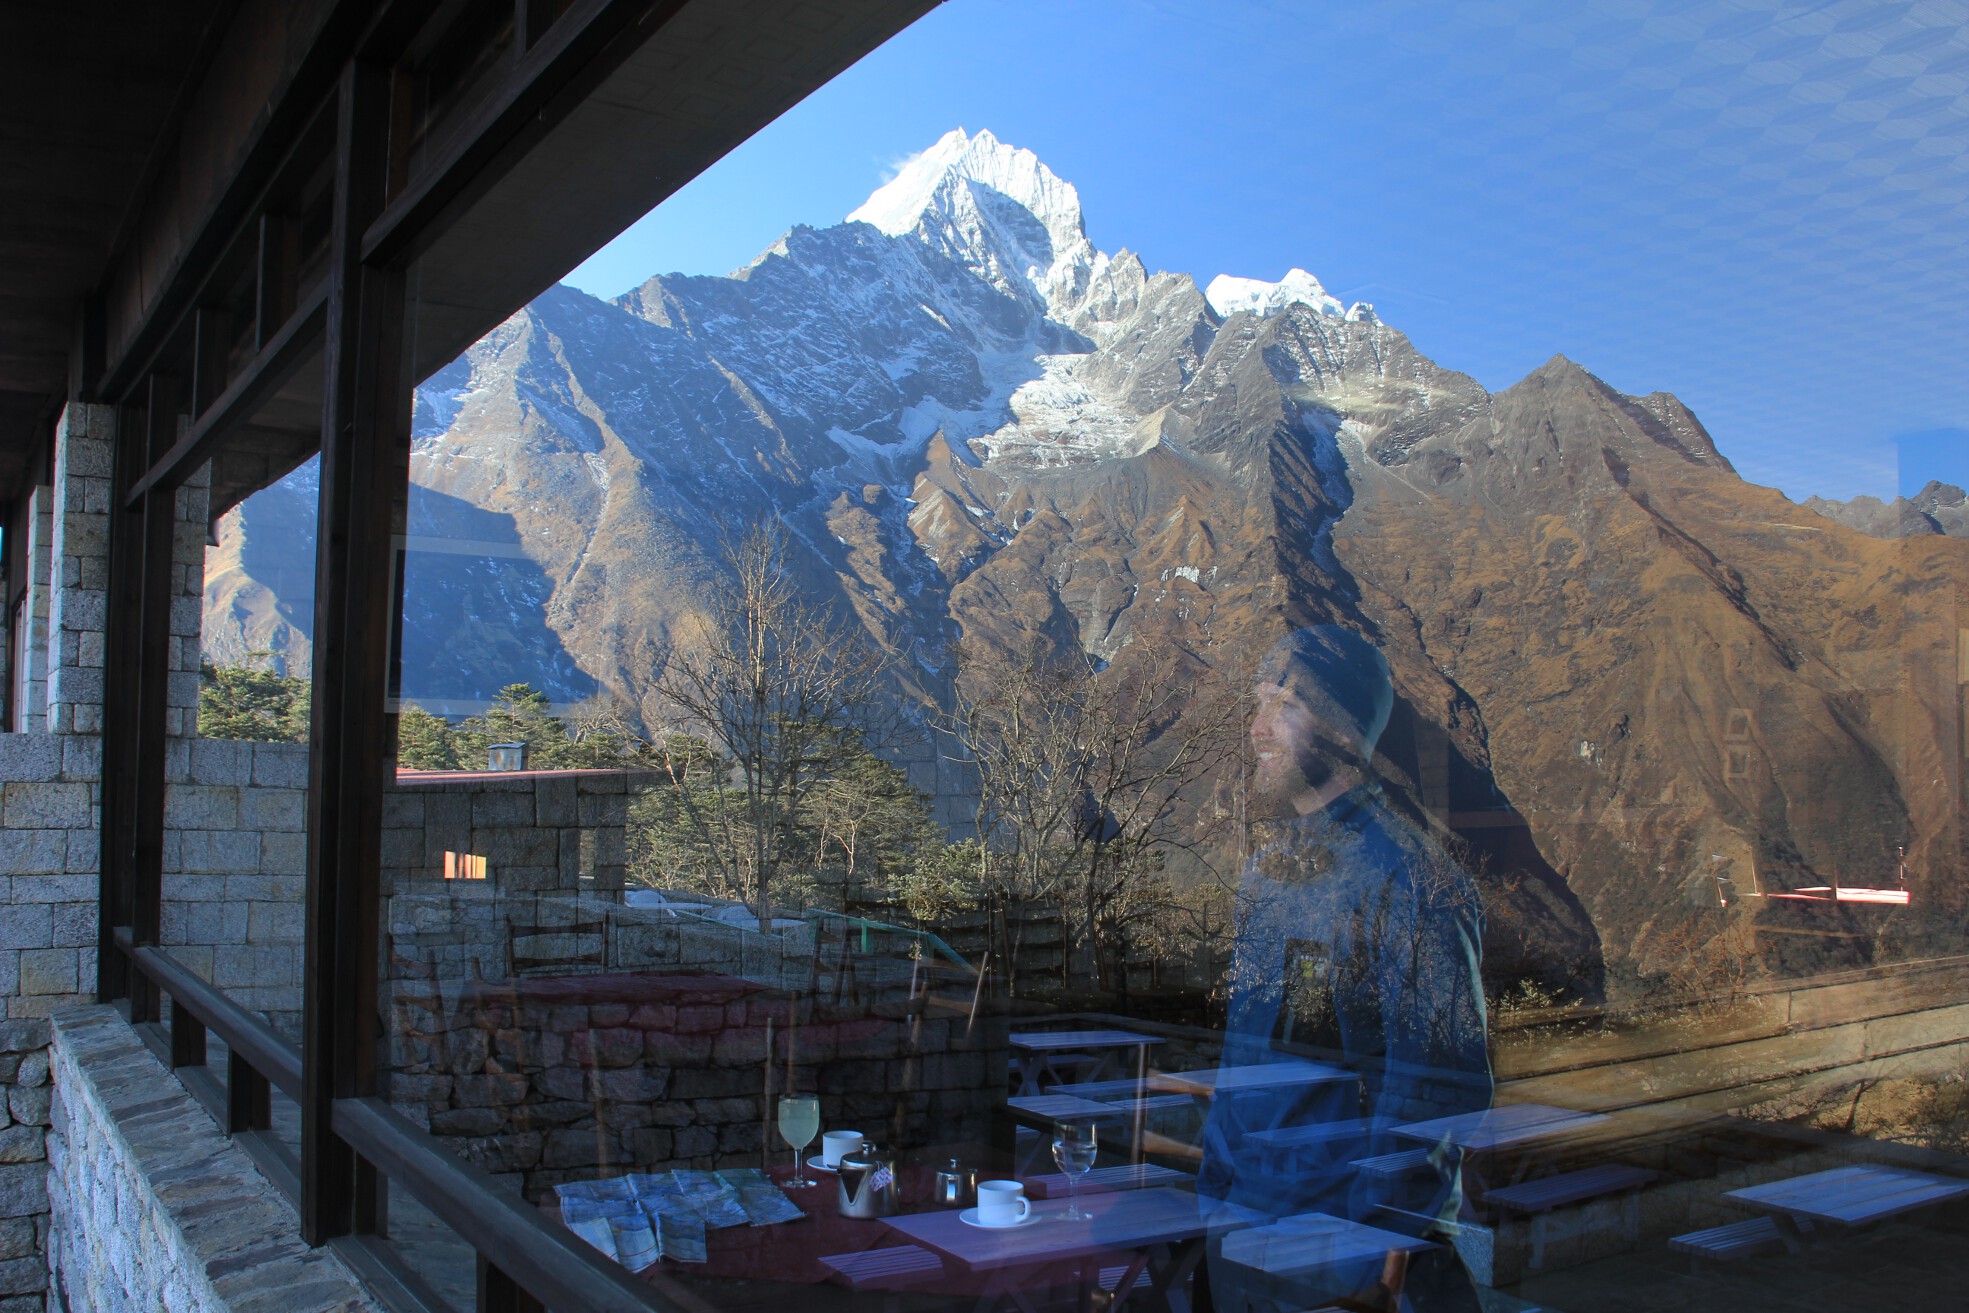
(1280, 785)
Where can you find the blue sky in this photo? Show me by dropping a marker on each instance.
(1762, 207)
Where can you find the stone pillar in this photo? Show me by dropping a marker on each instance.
(50, 813)
(80, 568)
(32, 715)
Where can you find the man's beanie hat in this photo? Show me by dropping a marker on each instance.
(1344, 680)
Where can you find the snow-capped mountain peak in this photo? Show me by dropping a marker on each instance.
(976, 199)
(1229, 296)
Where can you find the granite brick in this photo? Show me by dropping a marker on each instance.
(49, 806)
(28, 758)
(25, 852)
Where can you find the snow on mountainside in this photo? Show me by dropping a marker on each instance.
(975, 425)
(996, 210)
(1230, 296)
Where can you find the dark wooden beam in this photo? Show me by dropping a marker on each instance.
(153, 683)
(247, 1037)
(273, 366)
(121, 661)
(234, 212)
(499, 1293)
(549, 1262)
(187, 1037)
(365, 470)
(211, 340)
(276, 277)
(578, 49)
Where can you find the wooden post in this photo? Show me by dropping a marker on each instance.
(153, 677)
(365, 455)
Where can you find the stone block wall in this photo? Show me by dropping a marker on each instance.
(51, 801)
(24, 1120)
(31, 716)
(160, 1212)
(50, 804)
(567, 1078)
(236, 864)
(542, 832)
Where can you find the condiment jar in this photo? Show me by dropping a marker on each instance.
(956, 1187)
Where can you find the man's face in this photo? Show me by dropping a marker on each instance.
(1297, 751)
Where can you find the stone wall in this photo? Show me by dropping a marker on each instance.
(544, 831)
(236, 864)
(159, 1212)
(31, 716)
(51, 802)
(548, 1080)
(23, 1168)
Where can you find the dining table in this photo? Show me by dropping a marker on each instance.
(1261, 1096)
(1035, 1054)
(1808, 1207)
(1159, 1232)
(1529, 1131)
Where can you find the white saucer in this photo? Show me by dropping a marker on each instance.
(820, 1165)
(969, 1217)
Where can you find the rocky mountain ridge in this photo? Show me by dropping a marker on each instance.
(1938, 508)
(1616, 659)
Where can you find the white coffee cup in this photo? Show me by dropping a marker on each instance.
(835, 1143)
(1002, 1203)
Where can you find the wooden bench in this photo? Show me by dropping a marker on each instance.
(1389, 1166)
(1737, 1240)
(1290, 1144)
(1154, 1103)
(1111, 1277)
(1540, 1198)
(1051, 1066)
(894, 1267)
(1128, 1176)
(1100, 1089)
(1053, 1108)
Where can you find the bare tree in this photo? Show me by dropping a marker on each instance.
(1083, 778)
(778, 691)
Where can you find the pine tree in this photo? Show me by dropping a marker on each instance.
(425, 741)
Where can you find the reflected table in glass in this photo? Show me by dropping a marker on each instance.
(1157, 1231)
(1525, 1127)
(1505, 1127)
(1242, 1090)
(1846, 1197)
(1035, 1052)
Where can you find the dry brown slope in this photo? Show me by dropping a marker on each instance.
(1666, 665)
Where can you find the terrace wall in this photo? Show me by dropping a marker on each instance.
(158, 1210)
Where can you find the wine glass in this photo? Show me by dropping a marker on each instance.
(799, 1123)
(1074, 1149)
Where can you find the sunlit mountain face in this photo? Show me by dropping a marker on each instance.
(1620, 666)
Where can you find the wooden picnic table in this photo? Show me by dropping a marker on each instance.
(1238, 1090)
(1504, 1127)
(1311, 1258)
(1035, 1051)
(1128, 1176)
(1532, 1128)
(1156, 1231)
(1213, 1081)
(1846, 1197)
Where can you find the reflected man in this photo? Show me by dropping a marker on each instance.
(1358, 938)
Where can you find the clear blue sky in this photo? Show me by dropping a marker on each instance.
(1760, 206)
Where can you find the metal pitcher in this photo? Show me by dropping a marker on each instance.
(957, 1186)
(867, 1183)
